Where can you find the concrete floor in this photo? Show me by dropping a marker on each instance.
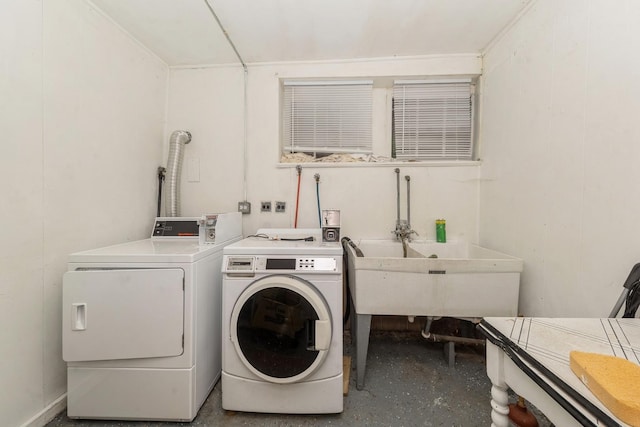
(407, 383)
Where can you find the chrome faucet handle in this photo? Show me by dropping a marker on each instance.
(408, 232)
(399, 232)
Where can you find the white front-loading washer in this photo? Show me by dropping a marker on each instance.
(141, 322)
(282, 323)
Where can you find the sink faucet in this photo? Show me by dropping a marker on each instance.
(403, 229)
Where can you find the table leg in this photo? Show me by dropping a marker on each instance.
(499, 395)
(363, 327)
(499, 406)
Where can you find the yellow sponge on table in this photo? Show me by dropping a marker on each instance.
(613, 380)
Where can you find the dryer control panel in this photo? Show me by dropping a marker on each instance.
(175, 227)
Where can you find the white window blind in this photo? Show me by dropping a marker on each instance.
(433, 120)
(327, 117)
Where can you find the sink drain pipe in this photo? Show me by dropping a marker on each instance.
(430, 336)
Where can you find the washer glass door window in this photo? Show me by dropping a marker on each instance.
(281, 328)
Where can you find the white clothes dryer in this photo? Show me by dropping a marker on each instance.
(282, 323)
(141, 322)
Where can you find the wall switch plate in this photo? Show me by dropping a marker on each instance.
(280, 207)
(193, 169)
(265, 206)
(244, 207)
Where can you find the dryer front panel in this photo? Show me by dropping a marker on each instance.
(116, 314)
(281, 328)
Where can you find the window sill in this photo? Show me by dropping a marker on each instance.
(417, 164)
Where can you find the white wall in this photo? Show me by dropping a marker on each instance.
(209, 103)
(560, 153)
(21, 255)
(83, 128)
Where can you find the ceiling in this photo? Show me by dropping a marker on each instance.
(185, 32)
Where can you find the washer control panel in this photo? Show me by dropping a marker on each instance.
(316, 264)
(241, 264)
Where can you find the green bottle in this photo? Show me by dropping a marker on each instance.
(441, 231)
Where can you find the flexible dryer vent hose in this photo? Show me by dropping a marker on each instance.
(174, 168)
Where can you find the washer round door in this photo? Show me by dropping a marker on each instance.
(281, 328)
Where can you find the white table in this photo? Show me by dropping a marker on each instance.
(531, 356)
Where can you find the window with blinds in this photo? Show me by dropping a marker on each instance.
(433, 120)
(327, 117)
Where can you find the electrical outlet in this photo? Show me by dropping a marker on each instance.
(265, 206)
(244, 207)
(280, 207)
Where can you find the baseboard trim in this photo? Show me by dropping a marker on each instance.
(48, 413)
